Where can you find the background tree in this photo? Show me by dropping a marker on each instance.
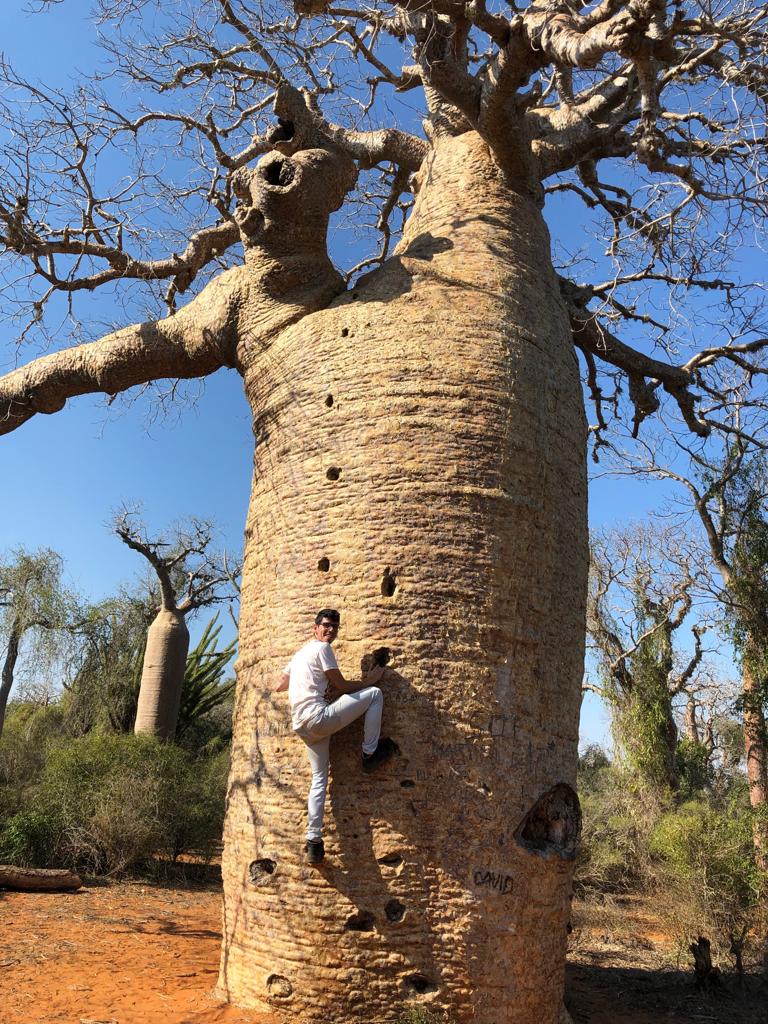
(190, 576)
(34, 604)
(102, 688)
(420, 455)
(726, 489)
(641, 595)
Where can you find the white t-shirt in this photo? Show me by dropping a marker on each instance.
(308, 684)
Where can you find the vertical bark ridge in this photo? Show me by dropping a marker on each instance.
(443, 394)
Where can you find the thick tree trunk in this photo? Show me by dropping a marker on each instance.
(162, 675)
(757, 760)
(9, 669)
(420, 466)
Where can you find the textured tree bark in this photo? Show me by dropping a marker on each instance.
(39, 879)
(757, 761)
(162, 675)
(420, 466)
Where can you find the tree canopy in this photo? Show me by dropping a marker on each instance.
(651, 114)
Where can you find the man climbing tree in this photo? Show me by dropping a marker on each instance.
(420, 433)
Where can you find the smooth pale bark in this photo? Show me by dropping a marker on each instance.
(444, 393)
(162, 675)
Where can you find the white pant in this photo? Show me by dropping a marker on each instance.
(317, 736)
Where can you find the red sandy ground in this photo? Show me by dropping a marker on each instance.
(126, 953)
(135, 953)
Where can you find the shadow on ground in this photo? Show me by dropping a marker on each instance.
(597, 994)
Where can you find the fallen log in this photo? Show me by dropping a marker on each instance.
(38, 879)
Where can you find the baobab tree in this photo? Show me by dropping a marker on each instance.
(420, 429)
(189, 576)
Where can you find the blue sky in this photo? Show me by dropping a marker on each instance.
(62, 476)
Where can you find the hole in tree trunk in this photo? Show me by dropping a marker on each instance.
(420, 984)
(388, 584)
(333, 473)
(407, 783)
(362, 921)
(279, 987)
(345, 332)
(553, 824)
(329, 401)
(395, 911)
(279, 172)
(260, 870)
(284, 131)
(391, 860)
(324, 564)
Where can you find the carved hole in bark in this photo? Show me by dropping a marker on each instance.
(388, 584)
(324, 564)
(345, 332)
(279, 987)
(407, 783)
(329, 401)
(279, 172)
(362, 921)
(553, 824)
(420, 984)
(395, 911)
(391, 860)
(284, 131)
(333, 473)
(260, 870)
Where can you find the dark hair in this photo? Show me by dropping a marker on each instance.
(327, 613)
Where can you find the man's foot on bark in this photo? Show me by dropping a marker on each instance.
(385, 749)
(315, 851)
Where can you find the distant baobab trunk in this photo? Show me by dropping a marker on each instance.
(162, 675)
(420, 465)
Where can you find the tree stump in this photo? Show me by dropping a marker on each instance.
(38, 879)
(707, 976)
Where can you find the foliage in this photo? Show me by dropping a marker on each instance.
(693, 767)
(107, 803)
(204, 689)
(704, 862)
(33, 602)
(105, 688)
(613, 852)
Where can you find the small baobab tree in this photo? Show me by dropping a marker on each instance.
(421, 439)
(189, 576)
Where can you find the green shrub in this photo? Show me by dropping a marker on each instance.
(705, 865)
(30, 838)
(613, 852)
(107, 803)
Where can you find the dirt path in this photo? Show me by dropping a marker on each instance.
(123, 954)
(134, 953)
